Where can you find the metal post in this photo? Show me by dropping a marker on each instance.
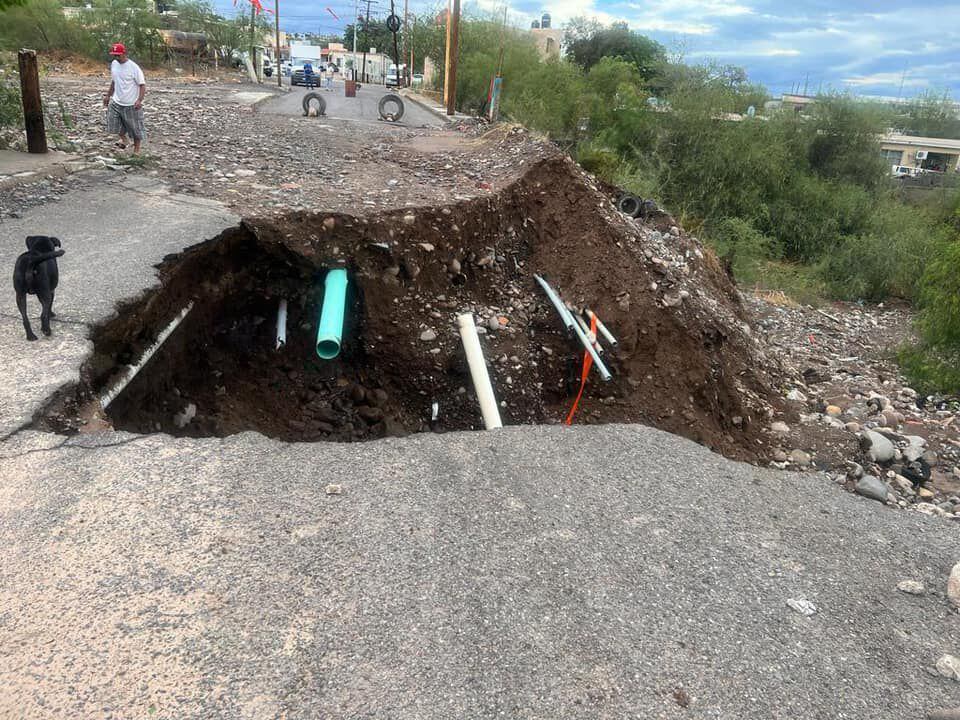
(32, 104)
(453, 47)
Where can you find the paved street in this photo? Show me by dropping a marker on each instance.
(113, 235)
(535, 572)
(363, 107)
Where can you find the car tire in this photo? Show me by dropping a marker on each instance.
(630, 204)
(390, 98)
(321, 104)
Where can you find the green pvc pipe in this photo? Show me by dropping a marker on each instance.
(331, 315)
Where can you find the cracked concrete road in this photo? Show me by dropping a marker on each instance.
(536, 572)
(113, 235)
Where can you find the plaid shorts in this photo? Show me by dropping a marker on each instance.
(125, 119)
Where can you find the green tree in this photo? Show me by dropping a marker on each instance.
(587, 43)
(932, 114)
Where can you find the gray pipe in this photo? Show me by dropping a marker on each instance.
(572, 325)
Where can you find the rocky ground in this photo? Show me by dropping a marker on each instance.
(845, 409)
(852, 413)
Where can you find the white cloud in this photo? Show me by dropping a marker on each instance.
(886, 79)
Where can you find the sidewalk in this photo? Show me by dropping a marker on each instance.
(431, 105)
(19, 167)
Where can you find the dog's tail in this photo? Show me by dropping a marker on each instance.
(43, 257)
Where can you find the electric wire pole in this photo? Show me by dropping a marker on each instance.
(453, 54)
(276, 16)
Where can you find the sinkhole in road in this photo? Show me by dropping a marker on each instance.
(688, 369)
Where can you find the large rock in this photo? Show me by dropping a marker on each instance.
(881, 450)
(872, 487)
(949, 667)
(953, 585)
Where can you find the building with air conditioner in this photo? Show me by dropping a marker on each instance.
(922, 153)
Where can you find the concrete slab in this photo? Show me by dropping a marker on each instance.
(18, 167)
(113, 236)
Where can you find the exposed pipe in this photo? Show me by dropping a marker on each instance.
(110, 395)
(608, 336)
(565, 315)
(572, 324)
(592, 336)
(330, 329)
(282, 323)
(478, 372)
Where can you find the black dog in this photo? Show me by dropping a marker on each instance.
(36, 273)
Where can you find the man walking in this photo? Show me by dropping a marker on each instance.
(331, 68)
(124, 99)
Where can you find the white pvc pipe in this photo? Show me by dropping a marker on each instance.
(592, 336)
(110, 395)
(282, 324)
(565, 315)
(568, 320)
(478, 372)
(603, 329)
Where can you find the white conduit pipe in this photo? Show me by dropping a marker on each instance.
(592, 336)
(110, 395)
(565, 315)
(568, 318)
(478, 372)
(608, 336)
(282, 324)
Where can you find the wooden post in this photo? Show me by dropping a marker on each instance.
(453, 48)
(276, 62)
(32, 105)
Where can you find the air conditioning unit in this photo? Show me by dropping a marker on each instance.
(921, 154)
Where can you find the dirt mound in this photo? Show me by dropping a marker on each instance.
(686, 360)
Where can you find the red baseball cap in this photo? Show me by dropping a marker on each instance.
(118, 49)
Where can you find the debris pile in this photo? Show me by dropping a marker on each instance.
(686, 359)
(851, 412)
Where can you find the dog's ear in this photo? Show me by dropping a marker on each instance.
(32, 240)
(55, 241)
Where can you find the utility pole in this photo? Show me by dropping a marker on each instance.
(276, 69)
(356, 21)
(406, 42)
(366, 40)
(32, 105)
(453, 55)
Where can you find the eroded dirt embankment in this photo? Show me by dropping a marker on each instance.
(686, 360)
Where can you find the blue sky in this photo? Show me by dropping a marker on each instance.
(868, 47)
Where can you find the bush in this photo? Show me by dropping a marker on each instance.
(888, 259)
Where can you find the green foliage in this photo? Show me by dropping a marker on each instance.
(587, 43)
(42, 26)
(4, 4)
(932, 114)
(889, 256)
(844, 141)
(225, 37)
(940, 298)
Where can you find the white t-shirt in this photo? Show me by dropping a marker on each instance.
(127, 79)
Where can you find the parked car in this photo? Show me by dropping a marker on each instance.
(267, 68)
(417, 79)
(902, 171)
(298, 75)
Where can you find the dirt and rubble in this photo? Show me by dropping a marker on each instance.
(431, 223)
(837, 370)
(208, 139)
